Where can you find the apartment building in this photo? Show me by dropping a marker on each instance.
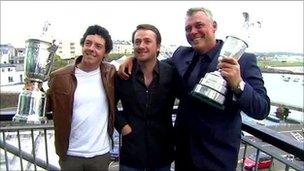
(122, 47)
(67, 49)
(9, 74)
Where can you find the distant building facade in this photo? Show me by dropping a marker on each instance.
(7, 52)
(67, 50)
(9, 74)
(122, 47)
(11, 64)
(12, 59)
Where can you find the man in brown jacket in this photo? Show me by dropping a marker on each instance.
(81, 97)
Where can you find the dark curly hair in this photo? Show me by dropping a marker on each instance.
(96, 29)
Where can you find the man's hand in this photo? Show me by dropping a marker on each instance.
(126, 130)
(127, 64)
(230, 70)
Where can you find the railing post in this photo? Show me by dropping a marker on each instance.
(33, 149)
(286, 167)
(5, 151)
(46, 148)
(257, 160)
(244, 155)
(19, 146)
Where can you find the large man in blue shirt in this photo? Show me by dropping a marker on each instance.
(208, 138)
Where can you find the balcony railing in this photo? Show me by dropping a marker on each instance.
(39, 139)
(287, 151)
(24, 142)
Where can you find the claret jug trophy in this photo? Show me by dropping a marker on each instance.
(39, 57)
(212, 87)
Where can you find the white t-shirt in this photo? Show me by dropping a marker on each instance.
(89, 137)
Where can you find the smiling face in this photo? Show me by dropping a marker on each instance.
(145, 45)
(93, 51)
(200, 31)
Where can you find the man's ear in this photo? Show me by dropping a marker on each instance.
(214, 24)
(105, 56)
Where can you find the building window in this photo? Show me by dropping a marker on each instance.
(3, 70)
(10, 79)
(9, 69)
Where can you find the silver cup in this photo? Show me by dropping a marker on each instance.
(212, 87)
(32, 100)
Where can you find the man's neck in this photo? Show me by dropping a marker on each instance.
(147, 66)
(147, 69)
(207, 49)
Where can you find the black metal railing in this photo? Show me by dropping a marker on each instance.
(40, 132)
(278, 146)
(37, 135)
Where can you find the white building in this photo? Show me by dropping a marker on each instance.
(11, 64)
(19, 58)
(122, 46)
(9, 75)
(7, 52)
(68, 50)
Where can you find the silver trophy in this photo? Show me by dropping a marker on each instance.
(37, 66)
(212, 87)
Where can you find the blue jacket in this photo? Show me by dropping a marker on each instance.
(211, 137)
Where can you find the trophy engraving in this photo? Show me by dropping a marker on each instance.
(39, 57)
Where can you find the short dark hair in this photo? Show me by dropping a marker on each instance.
(148, 27)
(101, 31)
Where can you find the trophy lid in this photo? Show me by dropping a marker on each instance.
(239, 37)
(45, 36)
(37, 41)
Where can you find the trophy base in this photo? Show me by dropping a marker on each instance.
(30, 119)
(31, 107)
(207, 100)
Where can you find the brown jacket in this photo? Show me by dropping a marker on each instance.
(60, 98)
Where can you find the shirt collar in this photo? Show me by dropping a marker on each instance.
(138, 70)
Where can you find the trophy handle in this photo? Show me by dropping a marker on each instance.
(52, 50)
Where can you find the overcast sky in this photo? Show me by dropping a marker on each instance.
(281, 29)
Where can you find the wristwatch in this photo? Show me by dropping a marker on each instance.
(240, 88)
